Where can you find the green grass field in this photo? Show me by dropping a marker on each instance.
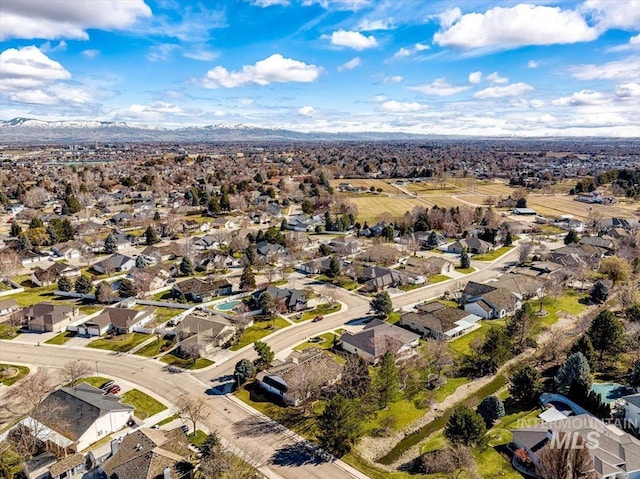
(145, 406)
(61, 338)
(492, 255)
(16, 373)
(8, 332)
(121, 343)
(95, 381)
(438, 278)
(468, 270)
(258, 331)
(321, 310)
(462, 345)
(326, 343)
(190, 364)
(155, 347)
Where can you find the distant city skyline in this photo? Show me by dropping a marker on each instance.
(549, 67)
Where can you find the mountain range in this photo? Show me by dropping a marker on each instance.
(29, 130)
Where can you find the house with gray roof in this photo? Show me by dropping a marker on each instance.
(377, 338)
(51, 275)
(205, 331)
(47, 317)
(115, 263)
(116, 320)
(439, 321)
(198, 291)
(8, 306)
(287, 300)
(495, 304)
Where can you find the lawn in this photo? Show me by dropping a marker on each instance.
(321, 310)
(492, 255)
(121, 343)
(95, 381)
(326, 343)
(174, 360)
(449, 388)
(409, 287)
(468, 270)
(438, 278)
(462, 345)
(32, 296)
(568, 303)
(197, 437)
(154, 348)
(144, 404)
(8, 332)
(402, 412)
(163, 315)
(167, 420)
(373, 472)
(16, 373)
(258, 331)
(61, 338)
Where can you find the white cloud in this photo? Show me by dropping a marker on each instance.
(201, 54)
(269, 3)
(28, 67)
(475, 77)
(608, 14)
(516, 26)
(537, 103)
(581, 98)
(533, 64)
(419, 47)
(355, 40)
(350, 65)
(627, 68)
(635, 40)
(394, 106)
(495, 78)
(53, 20)
(513, 89)
(162, 52)
(449, 17)
(379, 98)
(91, 53)
(439, 87)
(275, 68)
(47, 47)
(403, 52)
(157, 110)
(306, 110)
(373, 25)
(406, 52)
(350, 5)
(628, 90)
(393, 79)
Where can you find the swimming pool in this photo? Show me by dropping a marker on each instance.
(611, 391)
(228, 306)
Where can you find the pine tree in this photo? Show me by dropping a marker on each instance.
(599, 293)
(265, 355)
(607, 335)
(524, 385)
(151, 235)
(186, 266)
(127, 289)
(141, 263)
(339, 425)
(334, 268)
(244, 370)
(381, 304)
(247, 279)
(15, 229)
(465, 262)
(465, 427)
(110, 244)
(387, 382)
(571, 238)
(574, 370)
(83, 285)
(491, 409)
(65, 284)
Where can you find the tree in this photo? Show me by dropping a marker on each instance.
(584, 345)
(495, 350)
(381, 304)
(615, 269)
(432, 240)
(186, 266)
(508, 239)
(574, 370)
(633, 374)
(126, 289)
(607, 335)
(307, 206)
(465, 427)
(103, 292)
(339, 425)
(151, 236)
(566, 458)
(387, 382)
(334, 268)
(571, 238)
(519, 325)
(491, 409)
(110, 244)
(32, 389)
(65, 284)
(633, 313)
(444, 461)
(24, 243)
(265, 355)
(83, 284)
(524, 385)
(244, 371)
(10, 263)
(74, 370)
(465, 262)
(15, 229)
(267, 304)
(210, 445)
(192, 408)
(141, 263)
(356, 380)
(599, 293)
(438, 356)
(524, 250)
(247, 279)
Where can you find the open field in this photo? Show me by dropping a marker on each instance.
(366, 183)
(557, 205)
(369, 208)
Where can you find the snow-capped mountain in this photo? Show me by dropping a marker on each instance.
(29, 130)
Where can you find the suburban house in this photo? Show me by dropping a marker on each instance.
(207, 331)
(117, 321)
(49, 318)
(429, 266)
(47, 466)
(8, 306)
(472, 245)
(473, 291)
(495, 304)
(345, 246)
(149, 279)
(319, 265)
(439, 321)
(289, 379)
(215, 261)
(523, 286)
(51, 275)
(377, 338)
(615, 453)
(73, 418)
(206, 242)
(287, 300)
(376, 278)
(114, 263)
(301, 223)
(269, 251)
(198, 291)
(68, 250)
(631, 405)
(150, 454)
(160, 253)
(586, 253)
(599, 241)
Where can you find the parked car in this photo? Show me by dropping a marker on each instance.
(115, 389)
(184, 428)
(318, 318)
(107, 385)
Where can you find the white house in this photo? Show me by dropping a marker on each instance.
(114, 263)
(631, 406)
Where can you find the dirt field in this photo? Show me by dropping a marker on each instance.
(556, 205)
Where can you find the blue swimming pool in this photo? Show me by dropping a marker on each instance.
(227, 306)
(611, 391)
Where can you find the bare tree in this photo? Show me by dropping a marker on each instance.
(524, 251)
(9, 263)
(304, 385)
(32, 389)
(193, 409)
(73, 371)
(270, 272)
(438, 355)
(566, 459)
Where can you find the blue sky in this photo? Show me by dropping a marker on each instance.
(550, 67)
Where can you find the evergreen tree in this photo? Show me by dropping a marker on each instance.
(126, 289)
(247, 279)
(225, 204)
(432, 239)
(15, 229)
(307, 206)
(508, 239)
(491, 409)
(633, 374)
(607, 335)
(265, 355)
(356, 379)
(151, 236)
(83, 284)
(519, 325)
(24, 243)
(250, 255)
(465, 427)
(52, 233)
(35, 223)
(186, 266)
(68, 231)
(524, 385)
(387, 382)
(65, 284)
(465, 262)
(156, 216)
(244, 370)
(141, 263)
(599, 293)
(339, 425)
(571, 238)
(267, 304)
(381, 304)
(496, 349)
(214, 205)
(583, 345)
(574, 370)
(334, 268)
(110, 244)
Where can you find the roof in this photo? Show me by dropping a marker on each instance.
(378, 337)
(47, 313)
(146, 453)
(77, 408)
(473, 289)
(8, 304)
(519, 284)
(212, 325)
(116, 260)
(122, 318)
(501, 298)
(66, 464)
(198, 286)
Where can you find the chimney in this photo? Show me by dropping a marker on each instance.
(115, 444)
(166, 474)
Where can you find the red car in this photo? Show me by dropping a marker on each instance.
(318, 318)
(115, 389)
